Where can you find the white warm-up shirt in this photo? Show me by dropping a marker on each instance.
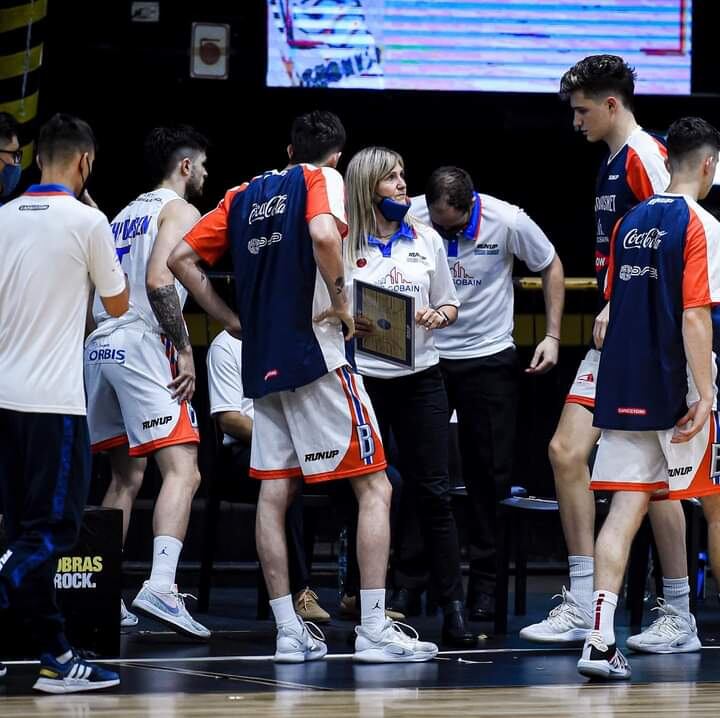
(53, 249)
(481, 262)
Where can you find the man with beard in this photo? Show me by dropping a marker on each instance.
(140, 374)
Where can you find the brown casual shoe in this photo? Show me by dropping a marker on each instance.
(308, 608)
(349, 608)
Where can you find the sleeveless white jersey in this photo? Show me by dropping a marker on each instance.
(135, 229)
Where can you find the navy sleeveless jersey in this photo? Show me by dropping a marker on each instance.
(632, 175)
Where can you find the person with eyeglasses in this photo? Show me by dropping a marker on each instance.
(482, 236)
(10, 155)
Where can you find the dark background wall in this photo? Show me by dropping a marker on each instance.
(125, 78)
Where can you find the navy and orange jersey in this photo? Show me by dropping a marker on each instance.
(264, 224)
(630, 176)
(665, 258)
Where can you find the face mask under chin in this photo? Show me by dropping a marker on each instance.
(393, 211)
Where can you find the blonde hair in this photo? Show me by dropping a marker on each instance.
(363, 174)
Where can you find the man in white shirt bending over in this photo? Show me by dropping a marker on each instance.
(483, 235)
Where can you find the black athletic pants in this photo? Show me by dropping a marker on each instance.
(484, 391)
(44, 483)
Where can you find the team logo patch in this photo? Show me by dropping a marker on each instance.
(361, 262)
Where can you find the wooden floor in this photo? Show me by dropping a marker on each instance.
(657, 699)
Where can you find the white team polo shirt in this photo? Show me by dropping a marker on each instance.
(481, 262)
(412, 262)
(224, 364)
(52, 249)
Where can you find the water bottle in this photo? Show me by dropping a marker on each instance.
(342, 561)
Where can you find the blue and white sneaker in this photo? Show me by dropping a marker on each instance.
(127, 618)
(73, 676)
(3, 670)
(169, 608)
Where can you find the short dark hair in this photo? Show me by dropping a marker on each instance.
(454, 185)
(689, 134)
(315, 135)
(599, 75)
(9, 127)
(166, 146)
(64, 135)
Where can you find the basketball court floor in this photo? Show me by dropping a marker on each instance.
(163, 674)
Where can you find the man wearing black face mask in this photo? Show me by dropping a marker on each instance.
(483, 235)
(53, 249)
(10, 156)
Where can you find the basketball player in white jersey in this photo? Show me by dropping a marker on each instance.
(139, 370)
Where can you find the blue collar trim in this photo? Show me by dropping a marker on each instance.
(471, 231)
(405, 231)
(49, 189)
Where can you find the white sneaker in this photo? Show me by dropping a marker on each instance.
(670, 632)
(169, 607)
(126, 618)
(392, 645)
(599, 660)
(293, 646)
(568, 622)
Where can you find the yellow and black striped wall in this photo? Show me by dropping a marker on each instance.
(21, 51)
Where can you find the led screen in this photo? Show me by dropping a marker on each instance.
(500, 46)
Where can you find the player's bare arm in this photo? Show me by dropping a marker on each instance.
(547, 351)
(327, 245)
(184, 263)
(697, 340)
(235, 424)
(174, 221)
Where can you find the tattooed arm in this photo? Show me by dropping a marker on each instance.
(327, 248)
(174, 221)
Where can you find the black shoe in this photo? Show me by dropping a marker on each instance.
(454, 632)
(405, 601)
(482, 608)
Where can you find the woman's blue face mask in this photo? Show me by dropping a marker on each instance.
(393, 211)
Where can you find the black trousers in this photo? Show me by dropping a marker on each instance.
(415, 409)
(300, 537)
(484, 391)
(44, 483)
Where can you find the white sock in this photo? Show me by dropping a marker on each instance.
(604, 605)
(372, 608)
(677, 594)
(581, 579)
(166, 553)
(283, 609)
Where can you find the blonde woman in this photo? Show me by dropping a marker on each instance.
(388, 248)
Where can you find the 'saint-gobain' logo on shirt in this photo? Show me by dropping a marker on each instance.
(628, 271)
(257, 243)
(275, 205)
(605, 203)
(652, 239)
(395, 280)
(461, 277)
